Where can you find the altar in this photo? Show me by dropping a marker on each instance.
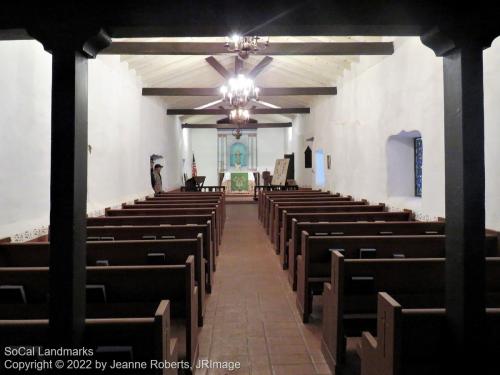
(239, 182)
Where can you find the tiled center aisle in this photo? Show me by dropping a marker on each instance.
(251, 315)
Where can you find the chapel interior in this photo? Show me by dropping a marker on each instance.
(280, 187)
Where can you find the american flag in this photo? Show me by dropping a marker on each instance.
(194, 171)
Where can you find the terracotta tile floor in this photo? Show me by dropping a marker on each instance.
(251, 315)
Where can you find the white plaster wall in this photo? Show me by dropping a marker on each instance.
(380, 97)
(271, 145)
(376, 99)
(25, 81)
(204, 147)
(492, 133)
(298, 145)
(124, 129)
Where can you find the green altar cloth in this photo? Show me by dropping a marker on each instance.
(239, 181)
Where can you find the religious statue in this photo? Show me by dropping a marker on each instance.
(237, 160)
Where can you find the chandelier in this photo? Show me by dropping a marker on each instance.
(239, 115)
(239, 91)
(245, 45)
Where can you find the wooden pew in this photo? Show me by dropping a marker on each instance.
(216, 207)
(174, 203)
(149, 338)
(413, 341)
(194, 196)
(336, 217)
(274, 223)
(314, 264)
(270, 216)
(265, 195)
(264, 202)
(131, 291)
(271, 201)
(279, 215)
(292, 246)
(349, 299)
(119, 253)
(141, 232)
(162, 220)
(169, 212)
(191, 195)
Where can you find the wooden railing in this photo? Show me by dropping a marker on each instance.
(207, 188)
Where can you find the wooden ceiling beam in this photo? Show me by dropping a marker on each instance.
(257, 69)
(212, 61)
(225, 112)
(215, 91)
(243, 127)
(238, 65)
(278, 49)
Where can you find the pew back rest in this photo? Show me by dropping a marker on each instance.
(329, 209)
(355, 282)
(148, 220)
(423, 246)
(370, 228)
(136, 232)
(365, 229)
(159, 211)
(339, 217)
(168, 205)
(127, 252)
(149, 284)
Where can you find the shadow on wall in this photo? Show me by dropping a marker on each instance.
(400, 152)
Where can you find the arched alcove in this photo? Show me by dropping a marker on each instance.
(404, 164)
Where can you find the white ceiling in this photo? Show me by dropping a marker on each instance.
(284, 71)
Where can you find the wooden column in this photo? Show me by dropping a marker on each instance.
(465, 194)
(68, 195)
(68, 177)
(465, 197)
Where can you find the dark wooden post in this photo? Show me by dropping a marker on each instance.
(465, 197)
(68, 195)
(68, 181)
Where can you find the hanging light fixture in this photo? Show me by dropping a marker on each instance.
(239, 91)
(245, 45)
(239, 115)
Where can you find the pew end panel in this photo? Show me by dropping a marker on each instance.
(333, 341)
(192, 313)
(291, 251)
(409, 341)
(163, 340)
(376, 354)
(304, 299)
